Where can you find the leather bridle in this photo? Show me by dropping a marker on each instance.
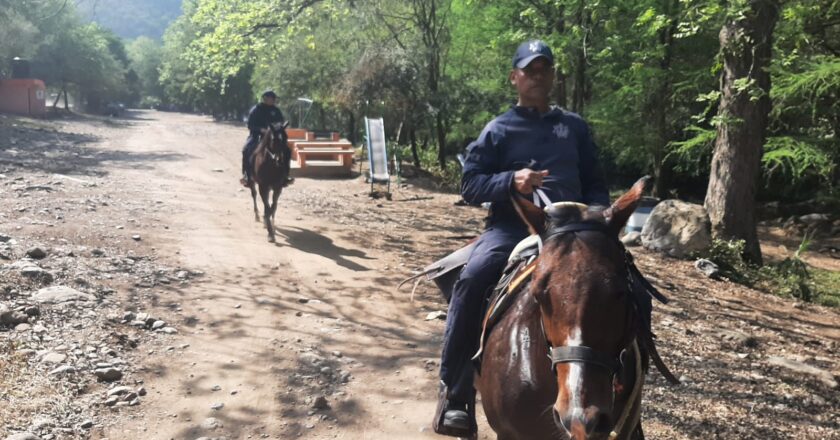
(582, 354)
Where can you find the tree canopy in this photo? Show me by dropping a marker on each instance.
(646, 74)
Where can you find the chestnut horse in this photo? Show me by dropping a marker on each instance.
(564, 362)
(270, 173)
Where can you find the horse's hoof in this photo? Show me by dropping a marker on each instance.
(271, 240)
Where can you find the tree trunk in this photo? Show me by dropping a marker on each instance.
(66, 100)
(351, 127)
(579, 74)
(560, 76)
(412, 135)
(661, 104)
(746, 45)
(57, 98)
(441, 138)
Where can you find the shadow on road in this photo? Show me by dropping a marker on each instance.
(312, 242)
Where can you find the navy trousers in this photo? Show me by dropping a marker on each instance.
(247, 151)
(467, 305)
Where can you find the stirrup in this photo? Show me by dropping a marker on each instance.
(437, 423)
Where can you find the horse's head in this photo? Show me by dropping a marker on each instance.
(581, 286)
(277, 141)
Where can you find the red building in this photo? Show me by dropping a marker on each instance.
(22, 94)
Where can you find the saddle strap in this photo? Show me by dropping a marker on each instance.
(657, 360)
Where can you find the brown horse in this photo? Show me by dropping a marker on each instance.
(564, 362)
(270, 173)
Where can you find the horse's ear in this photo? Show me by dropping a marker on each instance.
(532, 215)
(285, 124)
(620, 211)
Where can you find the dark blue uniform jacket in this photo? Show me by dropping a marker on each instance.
(261, 116)
(558, 141)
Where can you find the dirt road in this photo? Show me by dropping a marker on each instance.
(274, 327)
(309, 337)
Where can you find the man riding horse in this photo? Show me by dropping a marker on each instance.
(261, 117)
(532, 145)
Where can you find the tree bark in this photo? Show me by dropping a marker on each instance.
(579, 75)
(661, 104)
(746, 48)
(412, 135)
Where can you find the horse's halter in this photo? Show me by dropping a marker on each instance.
(610, 364)
(277, 135)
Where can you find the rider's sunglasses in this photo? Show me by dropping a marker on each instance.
(535, 69)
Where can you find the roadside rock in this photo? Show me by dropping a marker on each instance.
(23, 436)
(438, 314)
(11, 318)
(211, 424)
(119, 391)
(678, 229)
(738, 338)
(320, 403)
(34, 272)
(53, 358)
(61, 294)
(632, 239)
(36, 253)
(64, 369)
(825, 377)
(814, 219)
(108, 374)
(707, 268)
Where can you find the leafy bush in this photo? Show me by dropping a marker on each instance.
(450, 178)
(791, 277)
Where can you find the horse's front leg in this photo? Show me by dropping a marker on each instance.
(254, 198)
(267, 212)
(275, 195)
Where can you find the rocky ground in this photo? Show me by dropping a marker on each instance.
(138, 299)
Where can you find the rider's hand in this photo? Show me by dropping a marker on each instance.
(526, 179)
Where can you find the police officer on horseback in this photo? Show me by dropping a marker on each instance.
(261, 118)
(532, 145)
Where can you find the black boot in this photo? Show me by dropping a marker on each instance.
(452, 418)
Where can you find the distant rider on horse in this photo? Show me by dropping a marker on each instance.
(260, 119)
(530, 146)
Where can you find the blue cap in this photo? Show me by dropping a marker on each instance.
(531, 50)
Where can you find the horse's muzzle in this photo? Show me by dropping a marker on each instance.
(589, 424)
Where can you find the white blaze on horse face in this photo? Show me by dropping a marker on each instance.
(574, 381)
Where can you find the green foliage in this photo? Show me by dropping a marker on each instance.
(791, 277)
(146, 56)
(794, 160)
(448, 178)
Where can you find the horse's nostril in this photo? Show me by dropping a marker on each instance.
(598, 422)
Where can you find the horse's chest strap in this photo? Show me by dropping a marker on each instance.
(581, 354)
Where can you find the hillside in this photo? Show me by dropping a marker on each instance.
(132, 18)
